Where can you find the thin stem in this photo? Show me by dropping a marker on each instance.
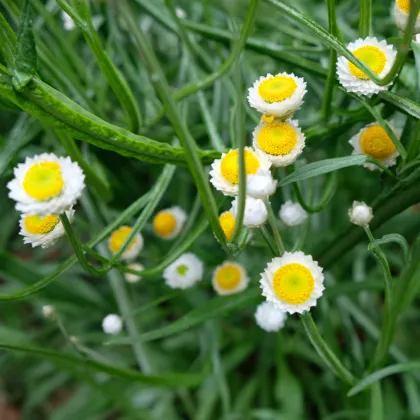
(273, 223)
(269, 240)
(324, 350)
(365, 18)
(414, 146)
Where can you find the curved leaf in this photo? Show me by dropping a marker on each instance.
(392, 237)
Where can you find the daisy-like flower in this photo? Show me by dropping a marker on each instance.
(255, 213)
(117, 239)
(269, 317)
(42, 231)
(261, 185)
(133, 278)
(229, 278)
(184, 272)
(227, 222)
(112, 324)
(282, 142)
(224, 173)
(46, 184)
(360, 213)
(168, 223)
(373, 141)
(68, 22)
(401, 13)
(48, 311)
(377, 55)
(292, 282)
(292, 214)
(280, 95)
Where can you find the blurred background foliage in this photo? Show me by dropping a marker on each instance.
(236, 370)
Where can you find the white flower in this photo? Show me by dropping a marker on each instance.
(227, 223)
(48, 311)
(68, 22)
(373, 141)
(282, 142)
(224, 173)
(255, 213)
(377, 55)
(180, 13)
(261, 185)
(117, 239)
(133, 278)
(360, 213)
(112, 324)
(269, 317)
(292, 282)
(184, 272)
(401, 12)
(417, 39)
(46, 184)
(229, 278)
(280, 95)
(42, 231)
(292, 214)
(168, 223)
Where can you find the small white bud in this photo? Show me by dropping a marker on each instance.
(269, 317)
(292, 214)
(68, 22)
(360, 213)
(112, 324)
(260, 185)
(180, 13)
(255, 213)
(48, 311)
(133, 278)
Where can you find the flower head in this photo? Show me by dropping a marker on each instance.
(255, 213)
(224, 173)
(401, 13)
(133, 278)
(374, 141)
(261, 185)
(227, 222)
(360, 213)
(48, 311)
(292, 282)
(269, 317)
(168, 223)
(377, 55)
(292, 214)
(46, 184)
(282, 142)
(280, 95)
(42, 231)
(184, 272)
(117, 239)
(229, 278)
(68, 22)
(112, 324)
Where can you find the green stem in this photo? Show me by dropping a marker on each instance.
(365, 18)
(269, 240)
(324, 350)
(273, 223)
(414, 146)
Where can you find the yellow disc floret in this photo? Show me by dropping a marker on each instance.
(228, 277)
(182, 269)
(404, 6)
(277, 88)
(293, 283)
(164, 223)
(277, 138)
(229, 166)
(36, 225)
(227, 222)
(375, 142)
(43, 180)
(267, 118)
(118, 237)
(372, 56)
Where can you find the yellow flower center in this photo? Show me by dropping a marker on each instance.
(227, 222)
(36, 225)
(164, 223)
(182, 269)
(375, 142)
(404, 5)
(268, 118)
(228, 277)
(118, 237)
(277, 88)
(372, 56)
(293, 283)
(277, 138)
(43, 180)
(230, 165)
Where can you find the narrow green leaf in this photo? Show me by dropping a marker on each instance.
(216, 307)
(322, 167)
(365, 18)
(170, 380)
(8, 42)
(376, 403)
(392, 237)
(381, 374)
(402, 103)
(24, 68)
